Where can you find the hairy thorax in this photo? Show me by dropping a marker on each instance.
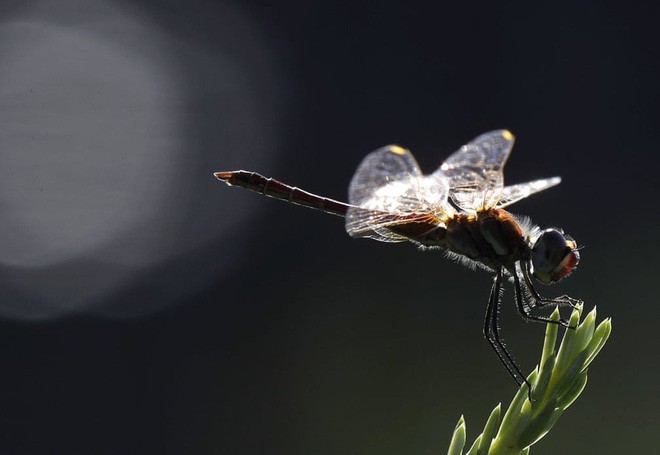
(492, 237)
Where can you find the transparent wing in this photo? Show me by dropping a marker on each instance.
(474, 172)
(388, 190)
(389, 227)
(514, 193)
(381, 167)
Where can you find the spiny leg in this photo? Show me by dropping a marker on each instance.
(526, 310)
(563, 300)
(492, 333)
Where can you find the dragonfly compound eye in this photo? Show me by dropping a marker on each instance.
(554, 256)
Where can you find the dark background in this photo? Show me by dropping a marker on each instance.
(147, 308)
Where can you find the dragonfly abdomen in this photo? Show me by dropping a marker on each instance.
(278, 190)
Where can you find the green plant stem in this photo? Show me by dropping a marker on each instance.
(556, 383)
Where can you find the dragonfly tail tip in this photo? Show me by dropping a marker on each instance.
(224, 176)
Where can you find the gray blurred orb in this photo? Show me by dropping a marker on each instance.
(99, 169)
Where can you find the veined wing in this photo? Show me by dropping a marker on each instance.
(389, 190)
(474, 172)
(386, 165)
(390, 227)
(514, 193)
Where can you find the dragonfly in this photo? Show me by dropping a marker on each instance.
(460, 209)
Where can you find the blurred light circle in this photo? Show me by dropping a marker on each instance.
(97, 173)
(88, 132)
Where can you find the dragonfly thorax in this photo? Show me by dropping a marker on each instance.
(491, 237)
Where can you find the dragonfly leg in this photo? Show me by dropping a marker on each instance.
(563, 300)
(525, 306)
(492, 333)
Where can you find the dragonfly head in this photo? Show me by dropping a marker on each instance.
(554, 256)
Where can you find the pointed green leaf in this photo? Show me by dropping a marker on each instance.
(490, 430)
(566, 351)
(570, 375)
(550, 339)
(601, 334)
(573, 392)
(458, 438)
(585, 331)
(538, 425)
(514, 416)
(475, 446)
(541, 386)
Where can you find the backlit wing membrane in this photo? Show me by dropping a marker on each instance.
(514, 193)
(386, 165)
(474, 172)
(387, 190)
(389, 227)
(391, 199)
